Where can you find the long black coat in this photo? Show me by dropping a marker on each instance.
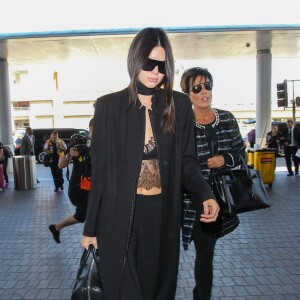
(117, 145)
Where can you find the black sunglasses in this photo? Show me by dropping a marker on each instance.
(196, 89)
(151, 64)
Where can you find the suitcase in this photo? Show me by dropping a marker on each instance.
(1, 177)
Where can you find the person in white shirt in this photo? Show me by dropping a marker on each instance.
(291, 139)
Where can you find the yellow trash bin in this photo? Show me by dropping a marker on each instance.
(265, 161)
(250, 157)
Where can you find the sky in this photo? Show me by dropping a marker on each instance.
(60, 15)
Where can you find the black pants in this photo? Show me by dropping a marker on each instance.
(203, 270)
(289, 152)
(57, 175)
(140, 280)
(79, 198)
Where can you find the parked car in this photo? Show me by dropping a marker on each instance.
(43, 134)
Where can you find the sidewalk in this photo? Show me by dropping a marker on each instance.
(260, 260)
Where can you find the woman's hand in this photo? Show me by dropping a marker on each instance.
(87, 240)
(211, 210)
(217, 161)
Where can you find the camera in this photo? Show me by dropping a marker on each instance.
(82, 145)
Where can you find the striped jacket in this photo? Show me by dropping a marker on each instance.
(229, 143)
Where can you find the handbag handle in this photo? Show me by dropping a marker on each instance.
(245, 167)
(85, 256)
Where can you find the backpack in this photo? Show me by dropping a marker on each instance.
(47, 160)
(7, 151)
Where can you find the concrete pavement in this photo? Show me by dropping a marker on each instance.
(260, 260)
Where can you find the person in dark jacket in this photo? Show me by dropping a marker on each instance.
(55, 147)
(4, 161)
(27, 144)
(79, 185)
(219, 146)
(291, 140)
(273, 139)
(143, 150)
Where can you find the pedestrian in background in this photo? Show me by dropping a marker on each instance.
(219, 147)
(291, 140)
(55, 147)
(27, 144)
(79, 184)
(3, 162)
(251, 137)
(143, 150)
(273, 139)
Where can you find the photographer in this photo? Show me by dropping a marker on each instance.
(79, 184)
(55, 147)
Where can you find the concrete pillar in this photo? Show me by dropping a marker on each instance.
(263, 95)
(5, 111)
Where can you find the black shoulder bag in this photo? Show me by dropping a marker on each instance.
(242, 190)
(239, 190)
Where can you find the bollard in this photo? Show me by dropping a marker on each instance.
(24, 168)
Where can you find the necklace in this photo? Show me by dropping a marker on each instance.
(217, 120)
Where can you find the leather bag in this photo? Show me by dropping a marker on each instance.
(240, 190)
(7, 151)
(88, 283)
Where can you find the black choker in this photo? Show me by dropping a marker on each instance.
(143, 90)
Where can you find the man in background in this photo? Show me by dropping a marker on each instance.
(291, 140)
(27, 144)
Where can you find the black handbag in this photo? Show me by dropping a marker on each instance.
(88, 283)
(7, 151)
(240, 190)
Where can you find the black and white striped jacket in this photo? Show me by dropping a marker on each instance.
(229, 143)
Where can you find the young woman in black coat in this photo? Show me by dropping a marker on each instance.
(143, 150)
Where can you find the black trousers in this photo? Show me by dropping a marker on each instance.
(289, 152)
(140, 280)
(203, 271)
(57, 174)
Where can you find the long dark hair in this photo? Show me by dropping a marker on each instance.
(138, 54)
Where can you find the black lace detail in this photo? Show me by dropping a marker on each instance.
(150, 174)
(150, 146)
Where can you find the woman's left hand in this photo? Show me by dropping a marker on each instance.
(217, 161)
(211, 210)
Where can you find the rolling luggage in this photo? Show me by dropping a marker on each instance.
(1, 177)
